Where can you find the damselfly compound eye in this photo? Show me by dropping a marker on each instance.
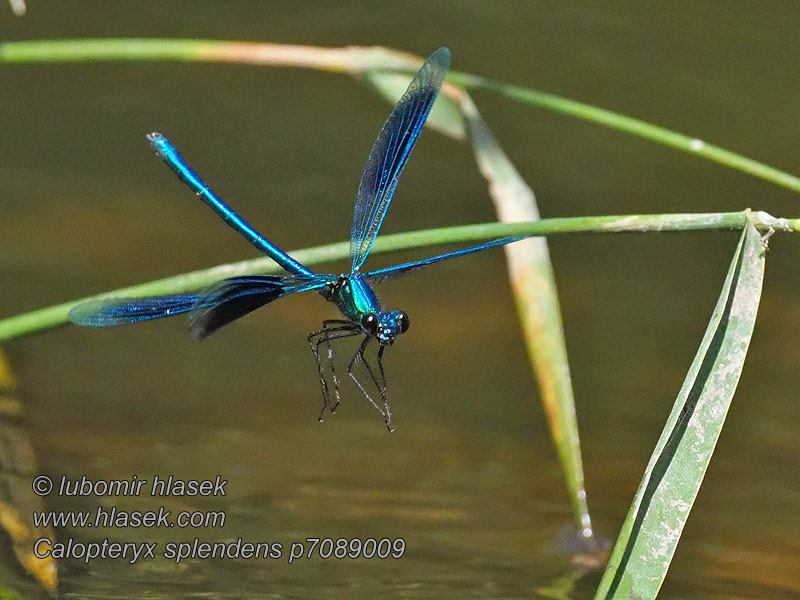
(403, 321)
(370, 323)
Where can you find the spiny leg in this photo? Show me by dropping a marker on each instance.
(327, 335)
(360, 354)
(346, 328)
(352, 329)
(327, 338)
(314, 343)
(381, 387)
(322, 382)
(325, 329)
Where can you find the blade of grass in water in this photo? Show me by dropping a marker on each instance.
(7, 380)
(531, 275)
(358, 60)
(18, 7)
(536, 297)
(654, 524)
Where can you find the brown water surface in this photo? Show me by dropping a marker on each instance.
(469, 480)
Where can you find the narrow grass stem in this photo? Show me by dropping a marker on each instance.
(53, 316)
(637, 127)
(357, 60)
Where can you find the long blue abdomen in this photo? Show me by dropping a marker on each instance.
(170, 155)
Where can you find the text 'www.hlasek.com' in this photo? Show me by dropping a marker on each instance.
(113, 517)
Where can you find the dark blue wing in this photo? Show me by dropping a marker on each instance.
(220, 304)
(229, 299)
(383, 274)
(390, 153)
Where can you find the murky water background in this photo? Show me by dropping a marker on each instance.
(469, 479)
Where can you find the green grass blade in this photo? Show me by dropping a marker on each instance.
(654, 524)
(536, 298)
(530, 273)
(643, 129)
(55, 316)
(358, 60)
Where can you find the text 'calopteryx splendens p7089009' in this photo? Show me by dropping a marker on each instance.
(351, 292)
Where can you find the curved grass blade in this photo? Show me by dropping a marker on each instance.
(18, 7)
(536, 297)
(42, 319)
(676, 469)
(532, 280)
(357, 60)
(7, 380)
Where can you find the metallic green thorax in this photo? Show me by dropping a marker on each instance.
(353, 296)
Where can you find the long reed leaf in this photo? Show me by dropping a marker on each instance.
(536, 297)
(530, 272)
(654, 524)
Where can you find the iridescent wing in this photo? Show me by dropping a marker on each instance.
(225, 301)
(390, 153)
(232, 298)
(115, 311)
(382, 275)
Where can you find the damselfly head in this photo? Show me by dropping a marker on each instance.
(385, 326)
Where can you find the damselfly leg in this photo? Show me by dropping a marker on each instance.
(332, 329)
(379, 382)
(383, 388)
